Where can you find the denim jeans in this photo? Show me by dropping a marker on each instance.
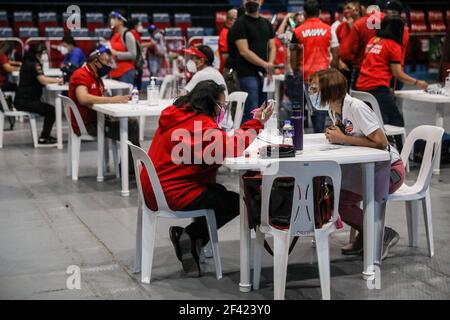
(127, 77)
(253, 86)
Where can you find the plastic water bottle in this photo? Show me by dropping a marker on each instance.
(446, 90)
(288, 133)
(135, 96)
(153, 93)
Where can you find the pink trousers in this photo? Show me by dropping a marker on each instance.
(349, 209)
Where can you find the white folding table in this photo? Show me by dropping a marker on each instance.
(440, 101)
(55, 89)
(51, 72)
(316, 148)
(122, 112)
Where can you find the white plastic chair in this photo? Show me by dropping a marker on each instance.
(390, 130)
(147, 219)
(74, 141)
(168, 81)
(239, 98)
(8, 112)
(420, 190)
(302, 222)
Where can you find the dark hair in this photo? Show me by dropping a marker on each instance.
(312, 8)
(133, 23)
(207, 51)
(69, 40)
(392, 28)
(394, 5)
(367, 3)
(340, 8)
(202, 98)
(33, 50)
(332, 85)
(6, 47)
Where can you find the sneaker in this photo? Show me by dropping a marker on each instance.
(354, 248)
(390, 239)
(46, 141)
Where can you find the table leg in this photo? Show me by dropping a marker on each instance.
(369, 219)
(124, 156)
(245, 284)
(58, 115)
(439, 123)
(100, 145)
(277, 94)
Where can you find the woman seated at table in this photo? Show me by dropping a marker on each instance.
(190, 183)
(86, 88)
(383, 61)
(355, 123)
(29, 93)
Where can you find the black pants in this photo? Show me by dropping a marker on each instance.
(41, 108)
(8, 87)
(112, 131)
(389, 110)
(225, 205)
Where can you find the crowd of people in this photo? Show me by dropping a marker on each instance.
(327, 60)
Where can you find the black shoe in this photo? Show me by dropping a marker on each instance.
(190, 253)
(390, 239)
(174, 234)
(46, 140)
(12, 122)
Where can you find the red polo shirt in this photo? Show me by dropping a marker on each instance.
(85, 77)
(223, 47)
(376, 67)
(316, 38)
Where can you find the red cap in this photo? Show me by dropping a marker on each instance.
(193, 51)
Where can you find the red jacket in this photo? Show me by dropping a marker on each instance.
(182, 183)
(353, 46)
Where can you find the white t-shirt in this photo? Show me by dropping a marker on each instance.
(208, 73)
(359, 120)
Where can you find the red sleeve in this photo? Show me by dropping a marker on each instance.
(77, 79)
(3, 59)
(405, 44)
(395, 52)
(218, 145)
(223, 44)
(349, 47)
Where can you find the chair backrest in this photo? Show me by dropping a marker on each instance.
(370, 99)
(142, 160)
(70, 106)
(3, 102)
(168, 79)
(239, 97)
(433, 139)
(302, 214)
(80, 32)
(173, 32)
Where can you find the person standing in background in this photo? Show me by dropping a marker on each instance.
(123, 49)
(156, 49)
(383, 59)
(318, 40)
(223, 44)
(137, 29)
(352, 13)
(253, 36)
(340, 17)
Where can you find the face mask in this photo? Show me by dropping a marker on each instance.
(221, 115)
(140, 29)
(63, 50)
(251, 7)
(315, 101)
(104, 70)
(191, 66)
(157, 36)
(112, 24)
